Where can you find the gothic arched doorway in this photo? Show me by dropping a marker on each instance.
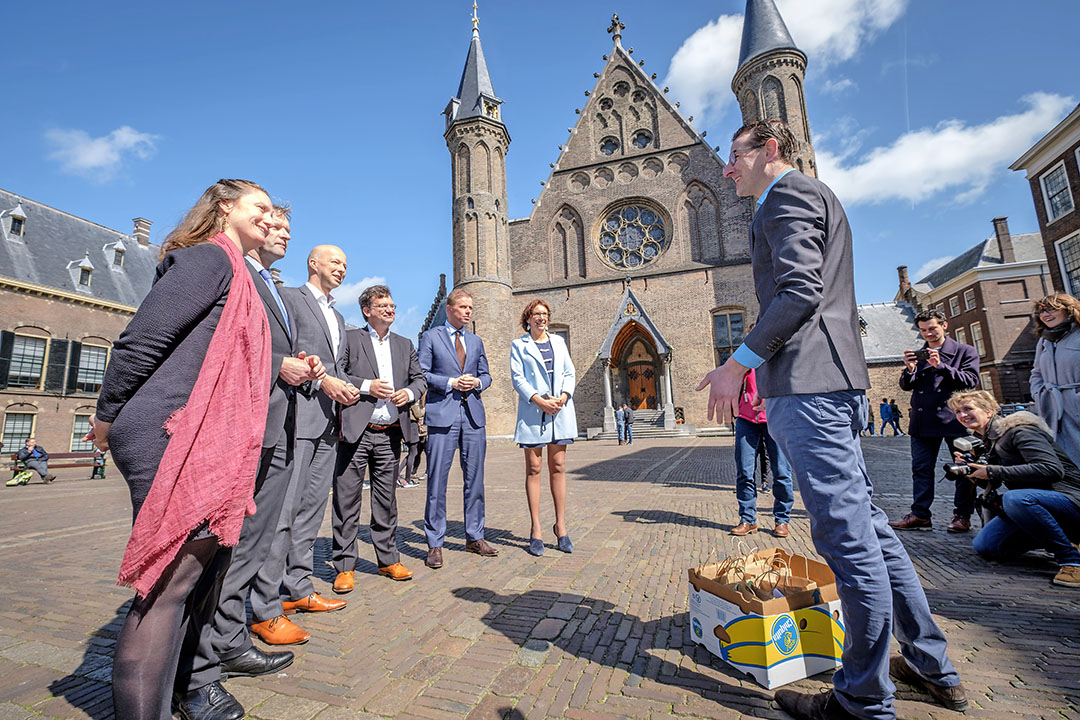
(641, 369)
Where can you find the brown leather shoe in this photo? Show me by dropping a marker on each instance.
(960, 524)
(280, 631)
(434, 558)
(911, 521)
(781, 530)
(481, 547)
(344, 582)
(397, 571)
(312, 603)
(743, 528)
(811, 706)
(953, 698)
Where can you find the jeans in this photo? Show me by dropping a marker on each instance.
(885, 424)
(870, 427)
(880, 592)
(622, 430)
(896, 427)
(1035, 519)
(924, 473)
(629, 433)
(748, 436)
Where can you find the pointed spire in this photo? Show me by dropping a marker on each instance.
(475, 96)
(763, 31)
(616, 29)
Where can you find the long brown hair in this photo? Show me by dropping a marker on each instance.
(205, 219)
(1057, 301)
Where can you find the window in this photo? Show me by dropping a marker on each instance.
(1069, 261)
(977, 338)
(609, 145)
(17, 226)
(969, 299)
(940, 307)
(91, 368)
(642, 139)
(81, 427)
(84, 277)
(632, 236)
(954, 306)
(1057, 196)
(960, 335)
(27, 362)
(728, 331)
(17, 427)
(986, 382)
(563, 332)
(118, 258)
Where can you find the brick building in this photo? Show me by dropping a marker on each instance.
(637, 242)
(987, 294)
(68, 287)
(888, 329)
(1053, 169)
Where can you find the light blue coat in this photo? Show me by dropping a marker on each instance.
(530, 377)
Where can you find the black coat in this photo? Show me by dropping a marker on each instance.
(931, 387)
(1023, 455)
(24, 454)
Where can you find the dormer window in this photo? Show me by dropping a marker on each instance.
(84, 276)
(118, 258)
(81, 272)
(491, 110)
(17, 226)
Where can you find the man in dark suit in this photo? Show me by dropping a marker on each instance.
(456, 368)
(232, 649)
(948, 367)
(811, 371)
(384, 368)
(285, 579)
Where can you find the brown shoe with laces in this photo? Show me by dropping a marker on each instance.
(481, 547)
(434, 558)
(953, 698)
(344, 582)
(312, 603)
(1068, 576)
(280, 631)
(781, 530)
(959, 524)
(911, 521)
(743, 528)
(397, 571)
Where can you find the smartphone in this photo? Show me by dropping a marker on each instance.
(922, 354)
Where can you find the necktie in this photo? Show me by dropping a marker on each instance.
(274, 291)
(460, 349)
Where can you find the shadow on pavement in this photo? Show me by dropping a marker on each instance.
(706, 467)
(89, 687)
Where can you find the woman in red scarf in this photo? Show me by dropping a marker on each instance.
(182, 407)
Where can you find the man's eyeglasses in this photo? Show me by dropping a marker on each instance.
(735, 152)
(384, 307)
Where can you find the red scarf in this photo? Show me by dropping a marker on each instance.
(208, 470)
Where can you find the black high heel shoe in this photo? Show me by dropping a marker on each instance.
(563, 543)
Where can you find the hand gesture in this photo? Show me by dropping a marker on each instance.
(550, 406)
(99, 433)
(725, 384)
(400, 398)
(380, 389)
(934, 359)
(909, 360)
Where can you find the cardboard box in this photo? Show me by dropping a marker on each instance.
(775, 641)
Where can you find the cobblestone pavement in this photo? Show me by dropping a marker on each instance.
(601, 633)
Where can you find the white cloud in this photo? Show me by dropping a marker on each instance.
(828, 31)
(838, 87)
(347, 298)
(930, 266)
(951, 157)
(98, 158)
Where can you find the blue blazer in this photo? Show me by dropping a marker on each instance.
(438, 360)
(529, 376)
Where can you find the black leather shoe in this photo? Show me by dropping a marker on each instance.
(812, 706)
(210, 702)
(255, 662)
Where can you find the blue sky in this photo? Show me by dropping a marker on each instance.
(122, 110)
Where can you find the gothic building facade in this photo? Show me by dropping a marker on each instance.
(637, 242)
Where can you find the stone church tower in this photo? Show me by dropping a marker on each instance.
(478, 141)
(769, 81)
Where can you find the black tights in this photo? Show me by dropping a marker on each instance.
(162, 630)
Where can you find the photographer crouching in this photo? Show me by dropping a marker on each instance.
(1041, 505)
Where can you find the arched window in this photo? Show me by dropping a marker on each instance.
(633, 235)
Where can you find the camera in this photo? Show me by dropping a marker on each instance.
(972, 450)
(922, 354)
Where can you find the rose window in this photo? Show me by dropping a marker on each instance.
(632, 236)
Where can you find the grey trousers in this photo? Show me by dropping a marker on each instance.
(41, 467)
(377, 452)
(230, 636)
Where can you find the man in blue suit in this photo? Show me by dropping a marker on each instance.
(456, 369)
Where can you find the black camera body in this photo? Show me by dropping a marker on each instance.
(922, 354)
(972, 450)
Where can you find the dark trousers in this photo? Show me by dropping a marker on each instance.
(376, 453)
(41, 467)
(230, 635)
(924, 471)
(470, 441)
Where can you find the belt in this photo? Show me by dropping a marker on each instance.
(382, 428)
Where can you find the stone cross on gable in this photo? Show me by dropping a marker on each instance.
(616, 28)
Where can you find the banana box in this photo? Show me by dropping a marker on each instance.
(774, 641)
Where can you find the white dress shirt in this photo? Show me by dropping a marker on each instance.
(385, 412)
(326, 304)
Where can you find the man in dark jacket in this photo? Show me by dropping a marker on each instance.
(948, 366)
(36, 459)
(628, 423)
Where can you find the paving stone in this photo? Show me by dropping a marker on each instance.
(282, 707)
(534, 653)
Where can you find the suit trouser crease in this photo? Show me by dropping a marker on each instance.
(747, 436)
(471, 442)
(377, 453)
(878, 587)
(924, 472)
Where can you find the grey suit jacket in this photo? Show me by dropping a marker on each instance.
(314, 411)
(282, 395)
(808, 328)
(360, 365)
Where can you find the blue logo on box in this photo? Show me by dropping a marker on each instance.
(696, 625)
(784, 634)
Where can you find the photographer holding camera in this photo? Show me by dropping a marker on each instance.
(1041, 508)
(934, 372)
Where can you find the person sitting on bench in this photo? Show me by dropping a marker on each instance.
(36, 459)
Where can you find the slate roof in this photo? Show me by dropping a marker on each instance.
(475, 84)
(763, 31)
(1027, 247)
(889, 331)
(54, 244)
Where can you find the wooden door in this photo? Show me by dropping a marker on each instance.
(641, 379)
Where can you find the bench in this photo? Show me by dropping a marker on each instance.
(93, 459)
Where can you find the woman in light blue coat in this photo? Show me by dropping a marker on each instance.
(543, 376)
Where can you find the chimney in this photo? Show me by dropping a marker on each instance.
(905, 284)
(142, 230)
(1004, 239)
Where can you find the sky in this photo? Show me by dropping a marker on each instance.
(123, 109)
